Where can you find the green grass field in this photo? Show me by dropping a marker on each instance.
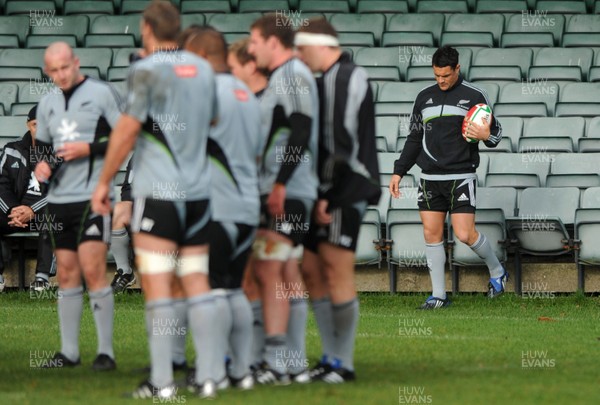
(509, 351)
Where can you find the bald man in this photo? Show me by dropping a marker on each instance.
(73, 129)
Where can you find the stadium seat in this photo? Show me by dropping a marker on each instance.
(400, 92)
(555, 73)
(91, 71)
(383, 73)
(384, 203)
(365, 39)
(17, 74)
(117, 24)
(9, 41)
(533, 25)
(495, 73)
(591, 198)
(561, 7)
(12, 126)
(116, 74)
(9, 93)
(261, 6)
(329, 6)
(418, 23)
(520, 57)
(405, 229)
(512, 129)
(15, 25)
(581, 57)
(439, 6)
(76, 25)
(571, 128)
(407, 39)
(393, 108)
(492, 90)
(472, 39)
(566, 163)
(482, 23)
(540, 228)
(583, 23)
(591, 141)
(504, 198)
(571, 40)
(526, 40)
(545, 144)
(22, 57)
(381, 144)
(32, 92)
(98, 57)
(189, 19)
(207, 6)
(121, 56)
(20, 109)
(233, 22)
(577, 99)
(370, 231)
(360, 23)
(518, 170)
(109, 41)
(137, 6)
(594, 74)
(89, 7)
(581, 180)
(420, 74)
(529, 99)
(382, 6)
(587, 233)
(34, 9)
(42, 41)
(388, 128)
(506, 7)
(379, 57)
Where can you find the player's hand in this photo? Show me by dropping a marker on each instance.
(20, 216)
(395, 185)
(276, 200)
(42, 172)
(73, 150)
(100, 199)
(480, 132)
(321, 215)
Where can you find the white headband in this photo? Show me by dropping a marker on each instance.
(307, 38)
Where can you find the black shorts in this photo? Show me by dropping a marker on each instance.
(186, 223)
(72, 224)
(231, 245)
(294, 224)
(341, 232)
(454, 196)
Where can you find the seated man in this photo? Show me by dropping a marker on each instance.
(22, 199)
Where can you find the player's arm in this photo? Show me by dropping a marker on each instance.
(44, 151)
(490, 133)
(412, 149)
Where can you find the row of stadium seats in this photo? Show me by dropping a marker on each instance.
(542, 222)
(489, 30)
(518, 170)
(540, 134)
(12, 7)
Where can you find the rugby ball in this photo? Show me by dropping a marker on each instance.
(476, 114)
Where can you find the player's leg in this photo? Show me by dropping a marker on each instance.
(271, 252)
(252, 292)
(45, 262)
(296, 329)
(119, 246)
(179, 339)
(463, 224)
(92, 257)
(338, 263)
(241, 312)
(316, 285)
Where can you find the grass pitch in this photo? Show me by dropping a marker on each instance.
(507, 351)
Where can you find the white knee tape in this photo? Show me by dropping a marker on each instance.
(297, 252)
(265, 249)
(191, 264)
(149, 262)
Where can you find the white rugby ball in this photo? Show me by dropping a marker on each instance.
(476, 114)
